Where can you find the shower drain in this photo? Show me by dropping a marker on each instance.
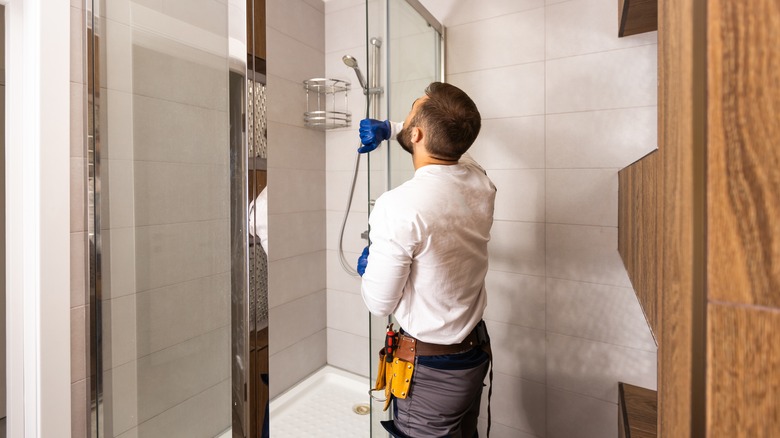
(361, 409)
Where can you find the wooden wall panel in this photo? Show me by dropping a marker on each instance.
(744, 362)
(676, 137)
(744, 151)
(637, 229)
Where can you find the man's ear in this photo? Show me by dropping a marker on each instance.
(417, 134)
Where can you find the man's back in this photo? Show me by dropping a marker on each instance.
(429, 251)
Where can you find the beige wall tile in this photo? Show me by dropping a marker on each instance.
(570, 414)
(520, 195)
(585, 253)
(595, 368)
(298, 276)
(599, 81)
(582, 196)
(347, 312)
(510, 143)
(295, 321)
(485, 44)
(517, 247)
(294, 363)
(599, 139)
(516, 299)
(349, 351)
(505, 92)
(517, 403)
(299, 19)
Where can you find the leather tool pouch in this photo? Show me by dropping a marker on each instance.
(394, 377)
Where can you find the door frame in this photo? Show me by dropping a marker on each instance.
(37, 218)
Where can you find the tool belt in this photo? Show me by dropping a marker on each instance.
(397, 358)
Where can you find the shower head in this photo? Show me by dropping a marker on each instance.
(352, 63)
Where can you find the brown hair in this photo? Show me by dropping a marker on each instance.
(451, 121)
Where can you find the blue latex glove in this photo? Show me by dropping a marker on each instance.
(373, 132)
(362, 262)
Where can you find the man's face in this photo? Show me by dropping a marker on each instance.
(404, 136)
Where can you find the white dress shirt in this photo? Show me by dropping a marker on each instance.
(428, 256)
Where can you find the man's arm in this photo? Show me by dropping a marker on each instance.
(389, 260)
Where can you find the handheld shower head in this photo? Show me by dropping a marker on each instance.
(352, 63)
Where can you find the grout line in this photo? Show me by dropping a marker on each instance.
(504, 14)
(605, 343)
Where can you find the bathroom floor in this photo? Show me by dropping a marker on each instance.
(324, 404)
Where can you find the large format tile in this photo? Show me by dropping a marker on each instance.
(585, 253)
(168, 193)
(119, 331)
(511, 143)
(164, 130)
(517, 247)
(171, 376)
(120, 398)
(298, 19)
(78, 119)
(347, 313)
(77, 57)
(118, 121)
(118, 257)
(607, 80)
(586, 26)
(78, 195)
(467, 11)
(573, 415)
(601, 139)
(295, 321)
(117, 194)
(505, 92)
(302, 148)
(521, 405)
(597, 312)
(518, 351)
(205, 414)
(78, 410)
(338, 185)
(296, 277)
(595, 368)
(295, 191)
(78, 343)
(161, 321)
(294, 363)
(286, 101)
(582, 196)
(187, 70)
(498, 430)
(349, 351)
(520, 195)
(346, 27)
(169, 254)
(515, 299)
(482, 45)
(78, 269)
(287, 240)
(338, 278)
(292, 59)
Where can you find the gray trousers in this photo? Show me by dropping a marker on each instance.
(441, 403)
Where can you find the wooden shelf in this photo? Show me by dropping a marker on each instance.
(637, 16)
(638, 412)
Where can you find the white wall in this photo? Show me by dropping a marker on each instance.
(565, 105)
(295, 34)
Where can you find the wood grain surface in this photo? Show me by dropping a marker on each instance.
(743, 383)
(744, 151)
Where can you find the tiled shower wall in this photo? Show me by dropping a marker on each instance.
(79, 296)
(295, 35)
(565, 105)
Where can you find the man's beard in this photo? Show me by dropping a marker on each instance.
(404, 138)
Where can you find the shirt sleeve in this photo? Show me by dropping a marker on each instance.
(395, 128)
(394, 240)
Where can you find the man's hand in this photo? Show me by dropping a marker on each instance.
(362, 262)
(373, 132)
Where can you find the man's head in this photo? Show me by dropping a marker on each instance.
(447, 118)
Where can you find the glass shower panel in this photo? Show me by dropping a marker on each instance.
(414, 61)
(160, 238)
(411, 59)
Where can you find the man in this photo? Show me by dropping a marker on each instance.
(428, 260)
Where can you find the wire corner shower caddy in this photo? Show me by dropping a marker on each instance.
(324, 109)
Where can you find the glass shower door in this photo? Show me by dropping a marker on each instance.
(413, 52)
(159, 188)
